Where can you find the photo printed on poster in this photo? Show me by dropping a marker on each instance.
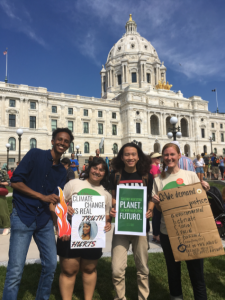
(88, 222)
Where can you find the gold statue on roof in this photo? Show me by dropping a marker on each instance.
(162, 85)
(130, 17)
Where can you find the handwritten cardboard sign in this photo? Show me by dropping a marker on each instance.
(88, 222)
(190, 223)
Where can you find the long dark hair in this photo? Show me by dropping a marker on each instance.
(95, 162)
(143, 165)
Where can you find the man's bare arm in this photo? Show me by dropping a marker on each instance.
(24, 189)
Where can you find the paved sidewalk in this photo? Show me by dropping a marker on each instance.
(33, 253)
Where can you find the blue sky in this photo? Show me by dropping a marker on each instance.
(61, 45)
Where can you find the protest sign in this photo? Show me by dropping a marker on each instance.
(190, 223)
(88, 222)
(131, 202)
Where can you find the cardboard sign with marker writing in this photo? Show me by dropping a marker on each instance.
(190, 223)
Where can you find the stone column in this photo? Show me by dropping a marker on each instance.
(3, 111)
(162, 125)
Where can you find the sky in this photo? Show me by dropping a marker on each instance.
(61, 45)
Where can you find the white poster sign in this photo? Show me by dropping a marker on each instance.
(88, 222)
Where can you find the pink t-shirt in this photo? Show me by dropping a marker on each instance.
(154, 170)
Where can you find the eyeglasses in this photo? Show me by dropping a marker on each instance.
(158, 157)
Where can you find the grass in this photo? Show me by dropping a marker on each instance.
(214, 269)
(10, 189)
(218, 185)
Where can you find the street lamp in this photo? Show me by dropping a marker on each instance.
(19, 132)
(7, 146)
(211, 140)
(174, 131)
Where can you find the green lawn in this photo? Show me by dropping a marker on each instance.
(214, 277)
(9, 189)
(216, 184)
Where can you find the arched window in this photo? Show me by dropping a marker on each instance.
(184, 127)
(157, 147)
(187, 150)
(168, 125)
(12, 142)
(154, 121)
(115, 148)
(71, 148)
(86, 147)
(215, 150)
(33, 143)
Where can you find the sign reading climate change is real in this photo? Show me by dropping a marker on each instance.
(131, 204)
(88, 222)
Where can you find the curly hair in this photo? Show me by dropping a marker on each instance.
(143, 165)
(67, 130)
(95, 162)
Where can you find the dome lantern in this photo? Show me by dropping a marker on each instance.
(131, 26)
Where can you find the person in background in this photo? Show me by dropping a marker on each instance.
(221, 166)
(74, 165)
(10, 173)
(210, 168)
(199, 165)
(4, 210)
(215, 166)
(156, 219)
(35, 185)
(84, 167)
(206, 161)
(97, 152)
(69, 172)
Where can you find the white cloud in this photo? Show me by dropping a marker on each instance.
(185, 34)
(20, 19)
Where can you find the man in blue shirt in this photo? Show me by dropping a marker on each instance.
(74, 165)
(35, 183)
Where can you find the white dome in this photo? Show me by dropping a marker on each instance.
(132, 43)
(132, 62)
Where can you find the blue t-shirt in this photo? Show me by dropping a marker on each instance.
(75, 161)
(221, 163)
(37, 171)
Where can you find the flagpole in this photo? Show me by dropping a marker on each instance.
(6, 80)
(217, 102)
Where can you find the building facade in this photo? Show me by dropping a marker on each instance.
(136, 104)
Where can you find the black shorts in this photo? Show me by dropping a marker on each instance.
(63, 250)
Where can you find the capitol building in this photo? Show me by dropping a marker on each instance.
(136, 103)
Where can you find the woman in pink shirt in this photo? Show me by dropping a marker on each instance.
(156, 219)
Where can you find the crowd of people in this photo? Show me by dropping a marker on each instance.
(35, 196)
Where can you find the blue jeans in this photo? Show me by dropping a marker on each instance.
(19, 244)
